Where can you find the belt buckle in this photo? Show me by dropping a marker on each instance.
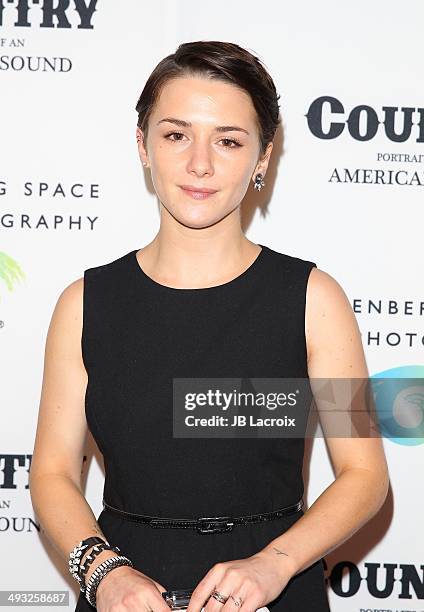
(214, 524)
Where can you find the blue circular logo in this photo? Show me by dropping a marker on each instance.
(398, 395)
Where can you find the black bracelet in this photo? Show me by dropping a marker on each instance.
(84, 566)
(76, 554)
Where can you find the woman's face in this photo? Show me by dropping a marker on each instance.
(202, 133)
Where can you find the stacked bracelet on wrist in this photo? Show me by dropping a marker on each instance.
(100, 572)
(84, 565)
(95, 551)
(75, 556)
(79, 570)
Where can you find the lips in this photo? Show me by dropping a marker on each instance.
(197, 193)
(198, 189)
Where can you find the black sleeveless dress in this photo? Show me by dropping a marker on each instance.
(137, 336)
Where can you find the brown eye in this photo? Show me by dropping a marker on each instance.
(174, 134)
(233, 141)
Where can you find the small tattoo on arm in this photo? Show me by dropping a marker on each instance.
(98, 531)
(84, 460)
(279, 552)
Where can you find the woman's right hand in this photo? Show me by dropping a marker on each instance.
(125, 589)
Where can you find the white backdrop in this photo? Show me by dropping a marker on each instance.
(75, 125)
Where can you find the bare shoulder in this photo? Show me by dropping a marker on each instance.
(323, 287)
(67, 315)
(71, 297)
(333, 337)
(326, 299)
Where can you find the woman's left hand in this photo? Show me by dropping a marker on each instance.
(254, 582)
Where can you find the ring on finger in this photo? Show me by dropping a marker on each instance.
(237, 600)
(219, 597)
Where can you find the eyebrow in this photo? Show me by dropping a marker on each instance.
(218, 128)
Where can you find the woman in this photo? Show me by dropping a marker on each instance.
(199, 301)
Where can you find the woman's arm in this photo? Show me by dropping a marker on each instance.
(55, 474)
(334, 351)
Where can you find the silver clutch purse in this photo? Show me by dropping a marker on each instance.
(177, 599)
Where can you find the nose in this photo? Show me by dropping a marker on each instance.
(200, 161)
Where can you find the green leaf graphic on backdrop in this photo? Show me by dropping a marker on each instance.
(10, 271)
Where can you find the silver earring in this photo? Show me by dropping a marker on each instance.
(259, 182)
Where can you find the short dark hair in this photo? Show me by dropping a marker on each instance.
(223, 61)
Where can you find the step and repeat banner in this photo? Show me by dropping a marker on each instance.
(345, 189)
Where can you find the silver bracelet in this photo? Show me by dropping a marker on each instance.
(100, 572)
(96, 550)
(76, 553)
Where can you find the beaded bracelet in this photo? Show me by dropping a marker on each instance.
(95, 551)
(100, 572)
(75, 555)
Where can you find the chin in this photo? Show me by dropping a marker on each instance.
(197, 221)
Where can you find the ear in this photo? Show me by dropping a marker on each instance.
(141, 147)
(262, 165)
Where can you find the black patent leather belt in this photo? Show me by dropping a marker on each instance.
(204, 524)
